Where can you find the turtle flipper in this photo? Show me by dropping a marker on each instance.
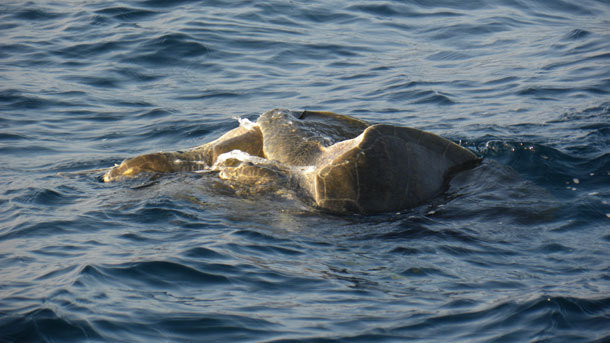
(241, 138)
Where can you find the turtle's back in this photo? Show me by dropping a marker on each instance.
(386, 168)
(299, 138)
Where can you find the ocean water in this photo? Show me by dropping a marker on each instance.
(516, 250)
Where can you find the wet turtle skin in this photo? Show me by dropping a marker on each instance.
(341, 163)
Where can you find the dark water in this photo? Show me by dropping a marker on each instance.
(517, 250)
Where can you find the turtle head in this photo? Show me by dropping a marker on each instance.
(151, 163)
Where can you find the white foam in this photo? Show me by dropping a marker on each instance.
(178, 161)
(246, 123)
(238, 155)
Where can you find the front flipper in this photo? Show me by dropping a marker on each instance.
(162, 162)
(247, 139)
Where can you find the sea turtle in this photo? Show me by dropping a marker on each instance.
(343, 164)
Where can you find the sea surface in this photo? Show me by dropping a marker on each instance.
(516, 250)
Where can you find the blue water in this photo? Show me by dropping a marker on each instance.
(517, 250)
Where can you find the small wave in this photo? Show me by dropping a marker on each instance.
(151, 275)
(403, 10)
(166, 3)
(383, 9)
(214, 95)
(95, 81)
(203, 253)
(433, 97)
(456, 31)
(546, 8)
(16, 99)
(154, 114)
(174, 48)
(548, 166)
(126, 13)
(448, 56)
(410, 230)
(13, 137)
(181, 326)
(404, 93)
(545, 164)
(539, 319)
(47, 197)
(577, 34)
(83, 51)
(423, 272)
(45, 325)
(37, 14)
(48, 228)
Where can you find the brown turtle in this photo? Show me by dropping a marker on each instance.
(343, 164)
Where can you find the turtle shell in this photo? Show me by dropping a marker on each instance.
(386, 168)
(300, 138)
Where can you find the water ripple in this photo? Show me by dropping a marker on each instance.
(514, 250)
